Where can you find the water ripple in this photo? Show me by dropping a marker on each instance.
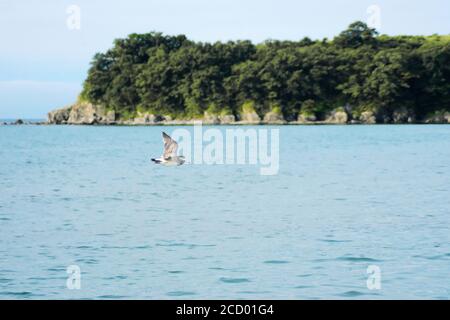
(180, 293)
(234, 280)
(358, 259)
(276, 261)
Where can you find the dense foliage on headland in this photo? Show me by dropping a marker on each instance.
(359, 72)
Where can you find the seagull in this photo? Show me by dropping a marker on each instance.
(169, 157)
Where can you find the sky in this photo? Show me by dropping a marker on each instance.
(46, 45)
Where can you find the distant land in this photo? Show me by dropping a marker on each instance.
(357, 77)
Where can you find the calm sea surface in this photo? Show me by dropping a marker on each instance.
(345, 198)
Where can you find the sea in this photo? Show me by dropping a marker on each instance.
(354, 212)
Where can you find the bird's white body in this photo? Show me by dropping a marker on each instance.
(171, 162)
(169, 157)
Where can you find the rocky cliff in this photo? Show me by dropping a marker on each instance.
(85, 113)
(82, 113)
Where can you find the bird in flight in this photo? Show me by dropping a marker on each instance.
(169, 157)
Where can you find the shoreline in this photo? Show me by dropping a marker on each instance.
(86, 113)
(237, 123)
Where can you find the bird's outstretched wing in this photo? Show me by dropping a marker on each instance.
(170, 146)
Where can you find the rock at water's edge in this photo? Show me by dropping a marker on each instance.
(368, 117)
(146, 119)
(88, 113)
(274, 118)
(306, 118)
(249, 118)
(438, 117)
(59, 116)
(403, 115)
(227, 119)
(209, 118)
(337, 117)
(82, 113)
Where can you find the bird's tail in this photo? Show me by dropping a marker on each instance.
(156, 160)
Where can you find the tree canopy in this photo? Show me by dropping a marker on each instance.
(359, 69)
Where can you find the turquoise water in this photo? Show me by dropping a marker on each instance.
(345, 198)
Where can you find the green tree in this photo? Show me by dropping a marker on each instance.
(171, 75)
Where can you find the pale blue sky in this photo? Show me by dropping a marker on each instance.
(43, 63)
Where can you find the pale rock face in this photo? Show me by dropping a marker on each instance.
(250, 117)
(438, 117)
(146, 118)
(227, 119)
(305, 118)
(368, 117)
(337, 117)
(273, 117)
(126, 122)
(110, 117)
(209, 118)
(82, 113)
(59, 116)
(171, 121)
(139, 120)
